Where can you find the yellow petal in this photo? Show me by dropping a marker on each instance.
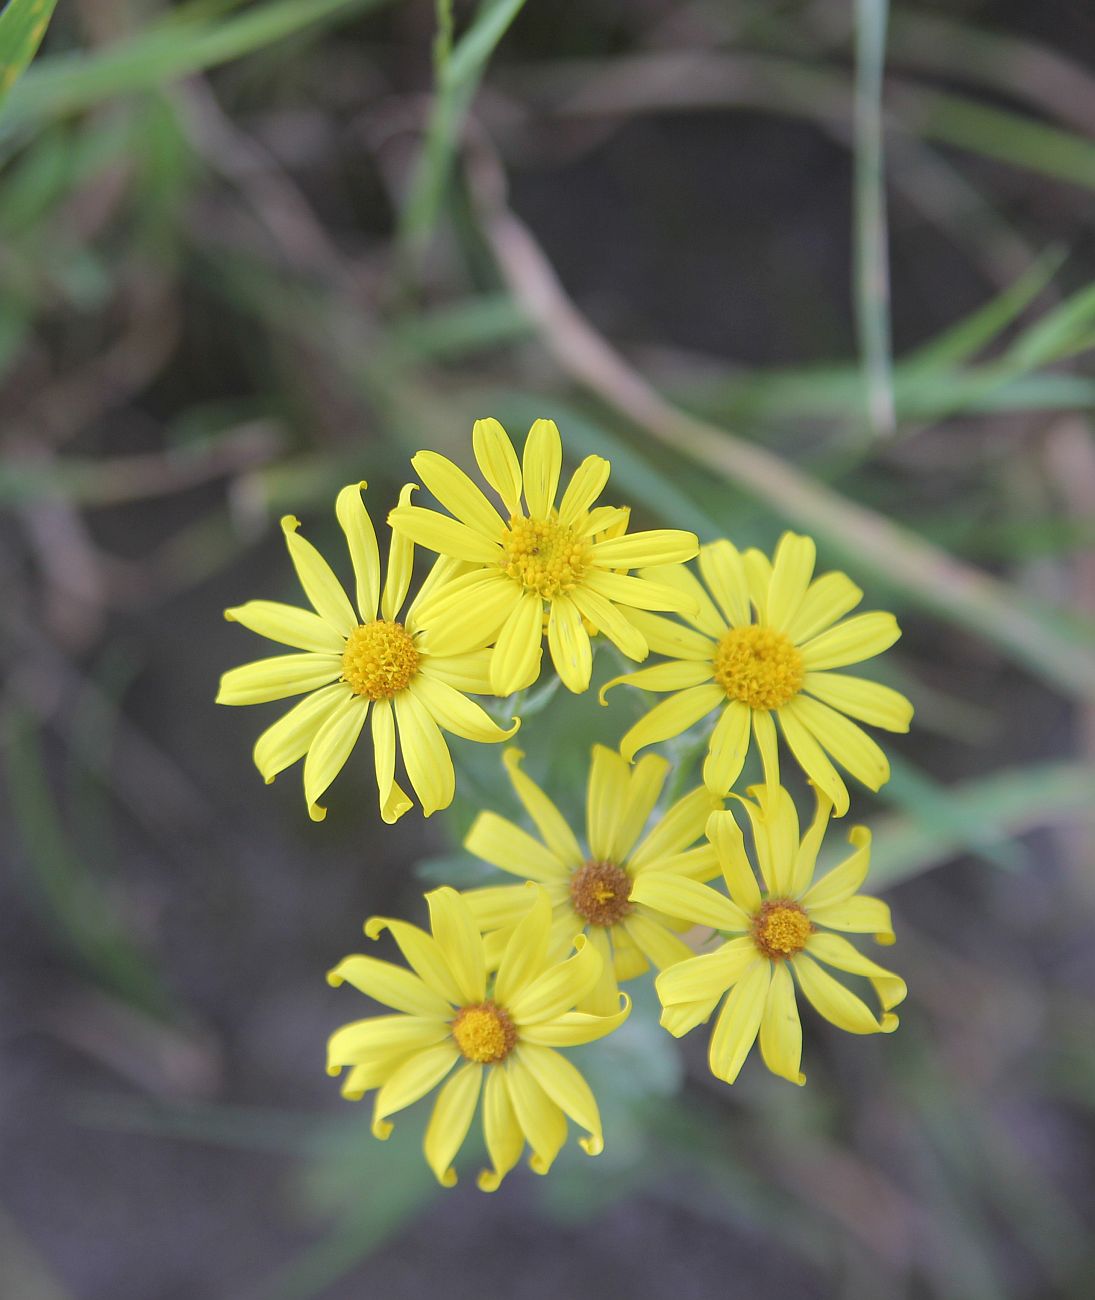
(827, 599)
(671, 717)
(452, 1116)
(838, 952)
(393, 802)
(468, 673)
(654, 547)
(540, 467)
(677, 829)
(739, 1020)
(837, 1004)
(727, 748)
(586, 485)
(459, 940)
(395, 987)
(843, 881)
(499, 842)
(421, 952)
(678, 896)
(665, 637)
(703, 615)
(635, 592)
(503, 1135)
(542, 1121)
(606, 796)
(401, 564)
(330, 749)
(559, 987)
(497, 907)
(418, 1075)
(437, 532)
(526, 956)
(781, 1028)
(868, 701)
(606, 618)
(444, 571)
(603, 996)
(370, 1074)
(677, 675)
(566, 1087)
(468, 612)
(700, 863)
(361, 1039)
(683, 1017)
(458, 494)
(655, 941)
(320, 585)
(758, 573)
(364, 553)
(780, 821)
(802, 873)
(858, 915)
(848, 743)
(628, 960)
(458, 714)
(850, 642)
(515, 663)
(574, 1028)
(812, 758)
(792, 569)
(288, 625)
(725, 834)
(549, 821)
(425, 754)
(724, 572)
(568, 642)
(277, 677)
(644, 785)
(706, 978)
(498, 462)
(288, 739)
(764, 729)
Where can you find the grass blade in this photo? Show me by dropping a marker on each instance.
(22, 26)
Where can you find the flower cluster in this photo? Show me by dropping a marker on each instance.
(751, 649)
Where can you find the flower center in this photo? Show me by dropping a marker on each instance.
(601, 893)
(759, 666)
(781, 928)
(484, 1033)
(380, 659)
(544, 555)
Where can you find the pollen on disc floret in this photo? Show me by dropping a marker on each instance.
(380, 659)
(484, 1033)
(781, 928)
(544, 555)
(600, 893)
(758, 666)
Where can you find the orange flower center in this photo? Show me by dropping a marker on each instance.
(781, 928)
(758, 666)
(380, 659)
(484, 1033)
(544, 555)
(601, 893)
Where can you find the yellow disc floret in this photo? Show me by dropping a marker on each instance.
(781, 928)
(601, 893)
(484, 1033)
(758, 666)
(380, 659)
(544, 555)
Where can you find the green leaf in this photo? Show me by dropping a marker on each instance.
(22, 26)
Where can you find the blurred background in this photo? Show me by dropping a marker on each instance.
(250, 252)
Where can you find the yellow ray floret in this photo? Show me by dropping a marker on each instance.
(537, 562)
(763, 647)
(590, 880)
(476, 1033)
(782, 933)
(358, 658)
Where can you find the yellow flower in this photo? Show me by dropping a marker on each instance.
(501, 1031)
(548, 555)
(591, 888)
(352, 659)
(776, 663)
(778, 929)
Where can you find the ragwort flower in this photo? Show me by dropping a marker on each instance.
(537, 555)
(781, 929)
(502, 1032)
(763, 649)
(591, 887)
(352, 661)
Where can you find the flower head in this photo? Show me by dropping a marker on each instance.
(494, 1035)
(537, 557)
(591, 884)
(782, 927)
(353, 660)
(763, 648)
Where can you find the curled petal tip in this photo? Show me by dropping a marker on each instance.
(316, 812)
(489, 1180)
(334, 1071)
(289, 524)
(382, 1129)
(592, 1145)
